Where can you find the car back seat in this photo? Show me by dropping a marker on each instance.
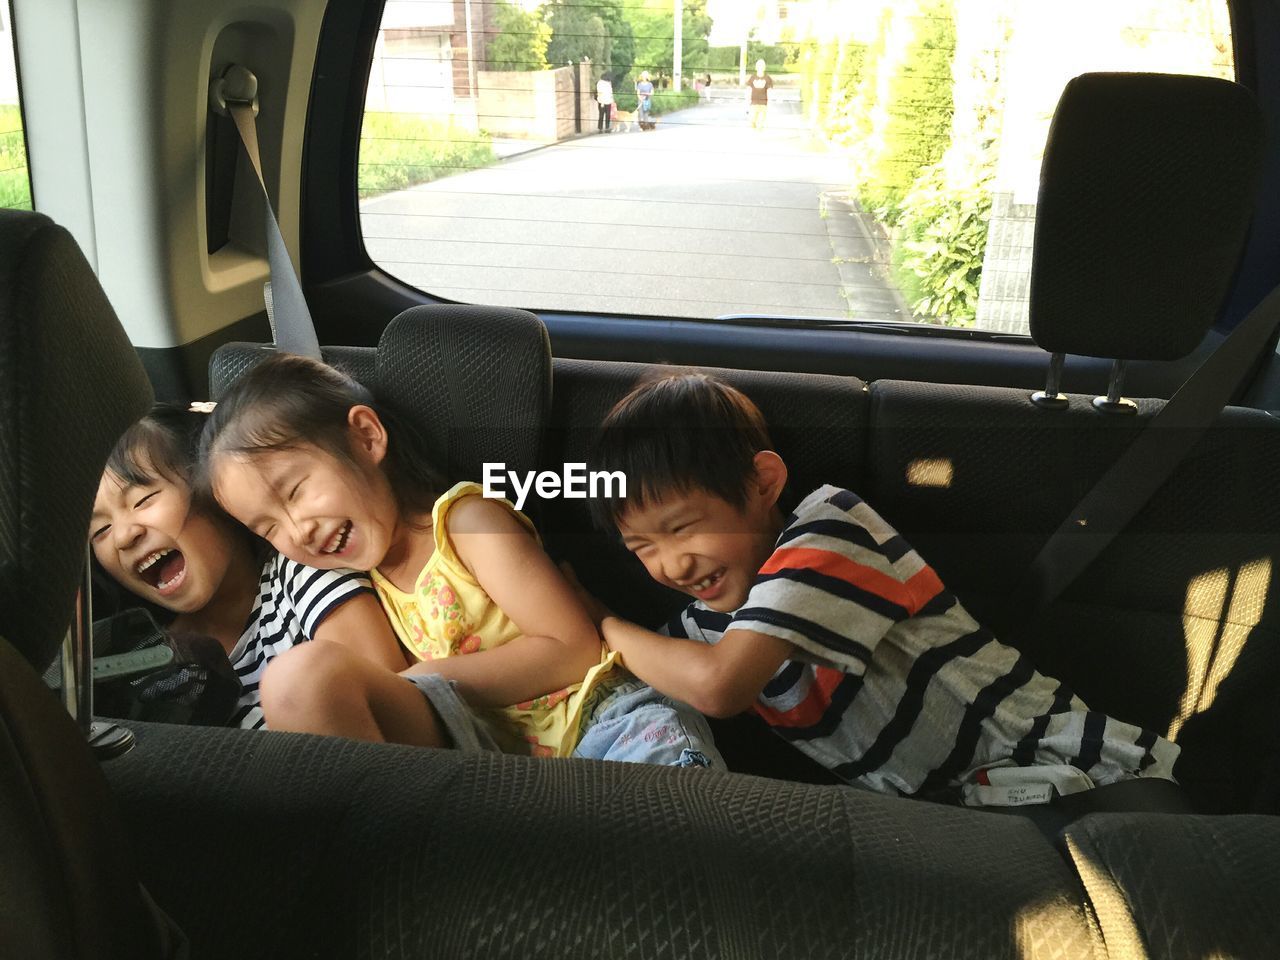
(427, 843)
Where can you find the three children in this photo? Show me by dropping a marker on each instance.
(822, 619)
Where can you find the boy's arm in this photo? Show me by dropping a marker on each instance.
(558, 642)
(719, 679)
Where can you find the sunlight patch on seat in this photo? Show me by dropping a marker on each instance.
(931, 472)
(1225, 609)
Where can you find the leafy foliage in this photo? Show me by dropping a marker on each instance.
(15, 182)
(943, 243)
(655, 36)
(517, 40)
(398, 150)
(916, 109)
(577, 31)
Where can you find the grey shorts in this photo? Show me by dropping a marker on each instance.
(467, 732)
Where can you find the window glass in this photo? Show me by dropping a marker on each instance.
(15, 182)
(846, 159)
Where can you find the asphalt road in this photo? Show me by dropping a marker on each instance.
(701, 217)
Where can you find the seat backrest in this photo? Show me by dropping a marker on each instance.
(474, 381)
(71, 383)
(1145, 195)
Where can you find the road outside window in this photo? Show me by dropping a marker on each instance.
(837, 159)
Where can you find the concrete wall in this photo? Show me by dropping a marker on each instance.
(527, 105)
(1006, 269)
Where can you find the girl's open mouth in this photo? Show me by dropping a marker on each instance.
(338, 542)
(164, 570)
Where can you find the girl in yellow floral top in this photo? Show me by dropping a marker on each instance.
(306, 458)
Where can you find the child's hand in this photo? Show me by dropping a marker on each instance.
(596, 610)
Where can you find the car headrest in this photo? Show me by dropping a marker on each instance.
(474, 380)
(233, 360)
(70, 385)
(1146, 190)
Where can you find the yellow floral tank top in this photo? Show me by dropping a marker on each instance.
(449, 614)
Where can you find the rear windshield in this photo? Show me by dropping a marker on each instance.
(838, 159)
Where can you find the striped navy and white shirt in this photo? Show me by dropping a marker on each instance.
(292, 602)
(893, 685)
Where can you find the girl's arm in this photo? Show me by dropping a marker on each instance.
(558, 643)
(719, 680)
(361, 626)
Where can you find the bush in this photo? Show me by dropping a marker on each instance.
(941, 249)
(664, 101)
(398, 150)
(668, 101)
(15, 182)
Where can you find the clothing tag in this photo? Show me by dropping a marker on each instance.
(1012, 795)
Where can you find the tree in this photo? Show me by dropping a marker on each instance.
(516, 40)
(577, 31)
(902, 112)
(654, 31)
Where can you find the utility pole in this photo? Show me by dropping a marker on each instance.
(471, 58)
(678, 48)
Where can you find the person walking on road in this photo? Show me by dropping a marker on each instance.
(759, 86)
(644, 97)
(604, 104)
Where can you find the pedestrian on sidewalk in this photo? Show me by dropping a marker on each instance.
(644, 97)
(759, 87)
(604, 104)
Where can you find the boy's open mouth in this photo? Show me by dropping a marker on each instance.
(338, 542)
(707, 585)
(164, 569)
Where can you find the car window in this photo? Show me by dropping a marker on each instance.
(15, 181)
(838, 159)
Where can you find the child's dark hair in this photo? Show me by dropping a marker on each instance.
(163, 444)
(286, 401)
(678, 433)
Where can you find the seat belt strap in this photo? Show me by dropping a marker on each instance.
(1148, 462)
(292, 328)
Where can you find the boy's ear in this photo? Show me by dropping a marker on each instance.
(770, 477)
(368, 433)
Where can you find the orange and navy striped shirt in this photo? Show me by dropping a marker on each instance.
(893, 685)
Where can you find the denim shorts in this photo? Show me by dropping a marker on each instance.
(637, 724)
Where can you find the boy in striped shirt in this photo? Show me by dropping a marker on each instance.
(828, 624)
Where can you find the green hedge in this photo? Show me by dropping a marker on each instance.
(15, 181)
(664, 101)
(398, 150)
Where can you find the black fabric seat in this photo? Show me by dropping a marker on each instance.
(1173, 627)
(328, 848)
(70, 383)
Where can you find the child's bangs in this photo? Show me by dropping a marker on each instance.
(145, 454)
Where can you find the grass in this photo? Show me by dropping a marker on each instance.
(15, 182)
(398, 150)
